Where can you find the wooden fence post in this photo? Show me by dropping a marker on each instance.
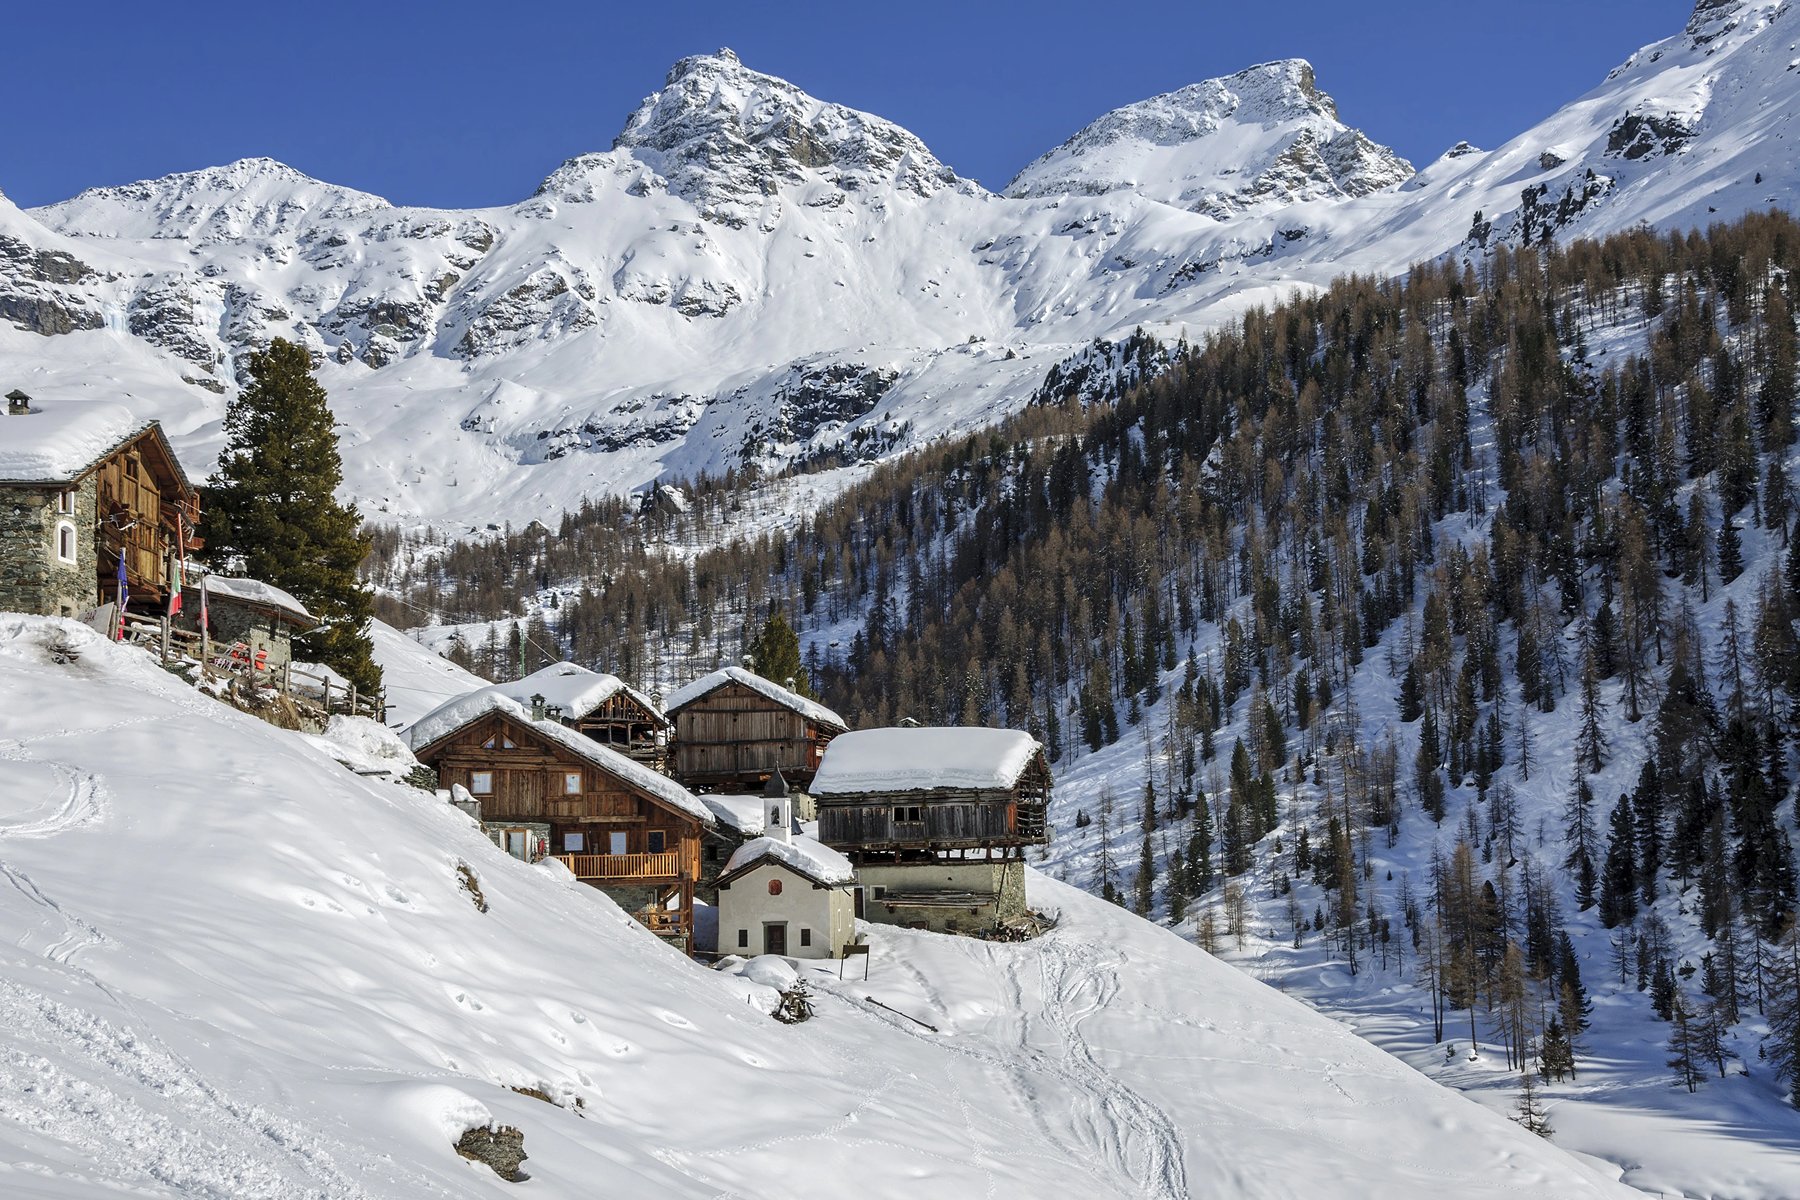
(165, 640)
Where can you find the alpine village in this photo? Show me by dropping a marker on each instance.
(1354, 694)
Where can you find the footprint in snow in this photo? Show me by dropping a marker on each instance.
(467, 1001)
(674, 1018)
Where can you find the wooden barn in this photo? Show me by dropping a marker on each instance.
(86, 487)
(734, 729)
(618, 825)
(936, 821)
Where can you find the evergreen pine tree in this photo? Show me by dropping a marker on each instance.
(775, 654)
(1731, 552)
(272, 513)
(1619, 878)
(1783, 1007)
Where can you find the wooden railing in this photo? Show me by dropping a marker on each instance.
(226, 660)
(666, 865)
(661, 921)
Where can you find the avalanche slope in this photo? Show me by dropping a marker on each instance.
(231, 968)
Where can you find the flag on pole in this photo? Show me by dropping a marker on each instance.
(180, 565)
(124, 595)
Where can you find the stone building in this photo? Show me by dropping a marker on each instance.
(247, 619)
(84, 484)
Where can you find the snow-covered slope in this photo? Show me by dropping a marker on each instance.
(235, 969)
(1255, 140)
(752, 276)
(416, 678)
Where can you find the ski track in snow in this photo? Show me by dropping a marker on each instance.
(138, 1112)
(1137, 1139)
(85, 802)
(1138, 1145)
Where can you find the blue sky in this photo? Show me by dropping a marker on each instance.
(464, 104)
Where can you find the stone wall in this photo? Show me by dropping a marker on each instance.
(32, 578)
(232, 622)
(999, 887)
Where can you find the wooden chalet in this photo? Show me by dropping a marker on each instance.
(734, 729)
(601, 707)
(85, 486)
(615, 823)
(905, 792)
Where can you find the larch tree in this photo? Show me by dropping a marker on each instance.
(272, 511)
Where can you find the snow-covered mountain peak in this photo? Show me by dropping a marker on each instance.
(249, 198)
(725, 137)
(1265, 136)
(1715, 18)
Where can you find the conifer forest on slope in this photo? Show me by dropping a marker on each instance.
(1496, 556)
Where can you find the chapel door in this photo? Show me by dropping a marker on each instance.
(775, 939)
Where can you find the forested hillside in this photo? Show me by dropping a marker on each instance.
(1494, 558)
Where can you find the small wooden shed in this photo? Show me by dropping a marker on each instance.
(734, 729)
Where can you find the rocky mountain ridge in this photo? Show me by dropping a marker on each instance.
(645, 313)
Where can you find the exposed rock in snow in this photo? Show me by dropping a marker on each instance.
(1260, 139)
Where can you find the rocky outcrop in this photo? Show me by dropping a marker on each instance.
(552, 300)
(1647, 134)
(1223, 147)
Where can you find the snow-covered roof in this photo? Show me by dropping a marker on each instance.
(807, 856)
(812, 710)
(572, 688)
(57, 443)
(451, 716)
(255, 591)
(922, 760)
(739, 812)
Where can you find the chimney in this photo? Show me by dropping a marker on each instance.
(537, 707)
(18, 404)
(779, 809)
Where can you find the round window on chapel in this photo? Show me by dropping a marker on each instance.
(774, 887)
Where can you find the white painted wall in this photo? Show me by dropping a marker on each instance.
(746, 905)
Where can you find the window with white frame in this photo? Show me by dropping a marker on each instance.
(65, 502)
(571, 783)
(65, 543)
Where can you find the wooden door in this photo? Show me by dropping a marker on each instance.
(775, 938)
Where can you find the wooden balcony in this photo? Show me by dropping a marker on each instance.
(625, 868)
